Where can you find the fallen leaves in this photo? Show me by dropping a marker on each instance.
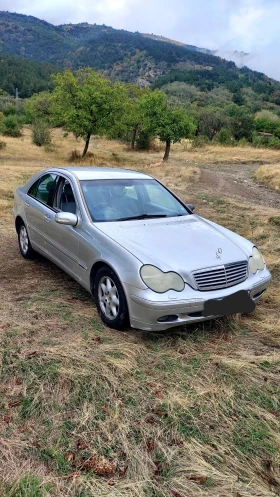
(15, 403)
(7, 419)
(81, 445)
(96, 464)
(159, 468)
(151, 420)
(69, 456)
(150, 445)
(105, 409)
(99, 465)
(31, 354)
(198, 479)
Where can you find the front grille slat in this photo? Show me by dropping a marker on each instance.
(221, 277)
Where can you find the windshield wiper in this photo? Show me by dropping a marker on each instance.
(142, 216)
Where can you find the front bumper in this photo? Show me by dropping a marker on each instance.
(147, 307)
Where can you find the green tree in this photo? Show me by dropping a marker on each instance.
(132, 117)
(242, 123)
(238, 98)
(86, 103)
(210, 121)
(38, 107)
(169, 124)
(224, 137)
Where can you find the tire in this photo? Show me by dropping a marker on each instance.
(110, 299)
(25, 247)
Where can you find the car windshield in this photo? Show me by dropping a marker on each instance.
(124, 200)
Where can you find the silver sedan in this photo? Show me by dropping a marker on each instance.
(143, 254)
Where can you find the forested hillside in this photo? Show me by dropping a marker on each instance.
(26, 75)
(117, 54)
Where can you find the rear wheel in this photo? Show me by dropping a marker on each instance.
(25, 247)
(110, 299)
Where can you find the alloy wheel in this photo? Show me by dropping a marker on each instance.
(108, 298)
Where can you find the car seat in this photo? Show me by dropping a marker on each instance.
(68, 203)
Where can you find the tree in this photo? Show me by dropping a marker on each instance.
(210, 121)
(86, 103)
(242, 123)
(169, 124)
(38, 107)
(132, 117)
(238, 98)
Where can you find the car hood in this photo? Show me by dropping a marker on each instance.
(176, 244)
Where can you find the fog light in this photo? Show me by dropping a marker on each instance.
(167, 319)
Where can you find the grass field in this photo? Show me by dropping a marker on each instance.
(86, 411)
(269, 175)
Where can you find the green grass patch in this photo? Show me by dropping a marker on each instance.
(28, 486)
(251, 436)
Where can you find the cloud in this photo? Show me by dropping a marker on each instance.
(226, 25)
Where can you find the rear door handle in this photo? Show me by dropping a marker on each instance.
(26, 204)
(48, 218)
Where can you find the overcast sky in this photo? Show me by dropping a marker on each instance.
(224, 25)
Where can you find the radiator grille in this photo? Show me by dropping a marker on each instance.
(221, 276)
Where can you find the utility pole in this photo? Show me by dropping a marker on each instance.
(16, 93)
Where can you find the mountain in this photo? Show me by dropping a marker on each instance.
(26, 41)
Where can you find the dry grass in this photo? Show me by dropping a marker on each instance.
(269, 175)
(90, 412)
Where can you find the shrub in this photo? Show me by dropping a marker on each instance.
(274, 142)
(2, 144)
(11, 126)
(243, 143)
(10, 110)
(277, 132)
(41, 133)
(143, 140)
(200, 142)
(266, 142)
(224, 137)
(75, 155)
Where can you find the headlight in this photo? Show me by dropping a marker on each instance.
(161, 282)
(256, 262)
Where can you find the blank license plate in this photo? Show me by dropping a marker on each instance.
(232, 304)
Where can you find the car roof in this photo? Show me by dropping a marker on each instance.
(88, 173)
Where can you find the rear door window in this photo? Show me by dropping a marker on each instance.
(43, 188)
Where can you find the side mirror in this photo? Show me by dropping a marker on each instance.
(191, 207)
(66, 218)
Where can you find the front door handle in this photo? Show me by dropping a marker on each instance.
(26, 204)
(48, 218)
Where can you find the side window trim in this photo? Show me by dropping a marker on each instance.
(60, 178)
(38, 181)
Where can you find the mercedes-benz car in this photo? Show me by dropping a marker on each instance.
(147, 259)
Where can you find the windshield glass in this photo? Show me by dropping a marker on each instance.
(118, 199)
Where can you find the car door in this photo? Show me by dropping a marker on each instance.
(36, 209)
(62, 241)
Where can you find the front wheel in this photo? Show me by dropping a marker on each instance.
(25, 247)
(110, 299)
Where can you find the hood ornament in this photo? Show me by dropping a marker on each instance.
(218, 253)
